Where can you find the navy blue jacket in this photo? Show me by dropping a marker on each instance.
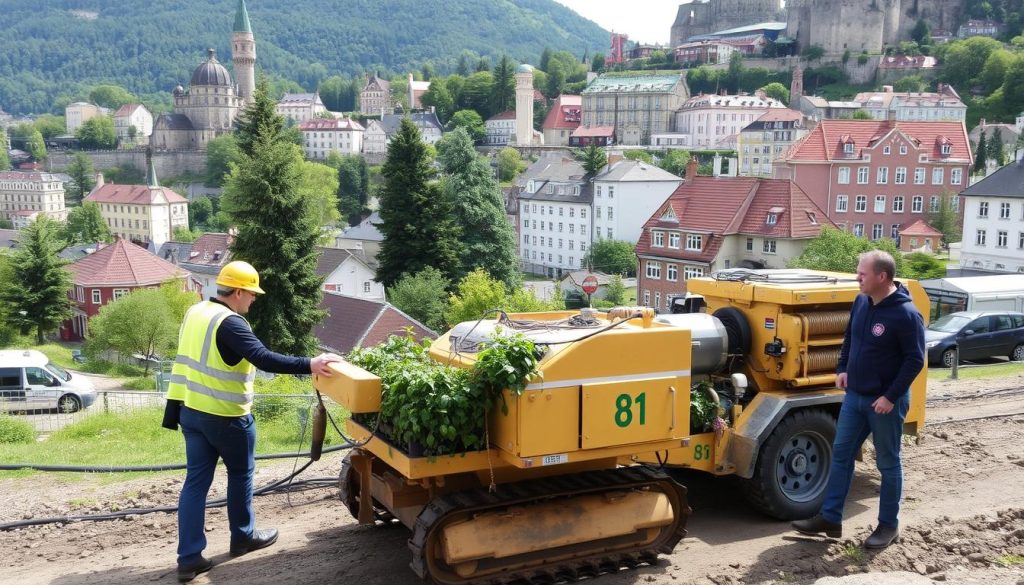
(883, 350)
(235, 340)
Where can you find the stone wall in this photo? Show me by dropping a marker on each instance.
(174, 163)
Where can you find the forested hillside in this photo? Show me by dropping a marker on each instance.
(54, 50)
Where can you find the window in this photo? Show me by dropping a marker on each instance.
(583, 213)
(561, 212)
(894, 231)
(933, 204)
(673, 240)
(897, 204)
(1001, 238)
(979, 237)
(842, 203)
(983, 209)
(657, 300)
(876, 231)
(862, 176)
(647, 298)
(572, 228)
(95, 296)
(611, 212)
(768, 247)
(659, 239)
(903, 149)
(917, 204)
(844, 175)
(848, 148)
(858, 230)
(692, 272)
(39, 377)
(653, 270)
(861, 204)
(611, 192)
(559, 227)
(947, 149)
(901, 176)
(597, 212)
(366, 286)
(572, 212)
(560, 243)
(956, 176)
(120, 292)
(750, 244)
(919, 176)
(1020, 240)
(887, 149)
(1004, 211)
(882, 176)
(938, 175)
(694, 242)
(954, 202)
(772, 219)
(879, 203)
(673, 273)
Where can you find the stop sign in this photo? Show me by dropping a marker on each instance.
(590, 284)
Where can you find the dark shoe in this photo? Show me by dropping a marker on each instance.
(882, 537)
(259, 539)
(816, 525)
(188, 572)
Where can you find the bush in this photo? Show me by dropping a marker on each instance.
(13, 431)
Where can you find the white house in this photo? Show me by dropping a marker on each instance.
(375, 139)
(715, 121)
(626, 193)
(345, 272)
(993, 233)
(299, 107)
(500, 128)
(321, 136)
(430, 127)
(555, 215)
(135, 116)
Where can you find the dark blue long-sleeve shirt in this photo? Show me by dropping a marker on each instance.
(883, 349)
(235, 340)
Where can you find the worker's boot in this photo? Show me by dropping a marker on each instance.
(259, 539)
(882, 537)
(816, 525)
(188, 572)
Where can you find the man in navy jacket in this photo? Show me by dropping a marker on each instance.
(883, 351)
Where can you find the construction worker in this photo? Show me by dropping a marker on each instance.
(210, 396)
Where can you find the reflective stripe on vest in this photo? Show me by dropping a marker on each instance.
(200, 377)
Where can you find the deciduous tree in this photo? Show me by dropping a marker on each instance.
(837, 251)
(139, 323)
(220, 153)
(35, 294)
(85, 225)
(612, 257)
(424, 296)
(97, 133)
(83, 179)
(471, 121)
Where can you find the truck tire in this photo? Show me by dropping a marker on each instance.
(793, 466)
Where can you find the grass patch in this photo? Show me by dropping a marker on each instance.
(1004, 370)
(118, 370)
(14, 431)
(1011, 560)
(140, 383)
(631, 296)
(854, 553)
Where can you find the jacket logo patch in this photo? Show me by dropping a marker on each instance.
(878, 329)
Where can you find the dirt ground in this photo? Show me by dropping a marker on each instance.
(963, 521)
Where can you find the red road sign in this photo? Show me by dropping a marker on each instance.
(590, 284)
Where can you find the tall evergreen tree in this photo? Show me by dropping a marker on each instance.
(981, 154)
(996, 151)
(503, 92)
(82, 178)
(486, 239)
(593, 158)
(416, 220)
(278, 230)
(36, 284)
(545, 59)
(5, 161)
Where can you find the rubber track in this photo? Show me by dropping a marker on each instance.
(545, 489)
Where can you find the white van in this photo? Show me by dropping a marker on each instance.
(28, 381)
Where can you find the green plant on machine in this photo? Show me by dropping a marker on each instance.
(438, 407)
(703, 408)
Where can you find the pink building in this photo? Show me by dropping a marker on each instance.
(873, 176)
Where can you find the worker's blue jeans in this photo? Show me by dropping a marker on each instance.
(857, 419)
(208, 437)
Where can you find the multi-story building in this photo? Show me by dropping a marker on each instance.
(819, 108)
(555, 213)
(135, 116)
(712, 223)
(626, 193)
(23, 194)
(873, 177)
(993, 234)
(979, 28)
(322, 136)
(375, 140)
(416, 91)
(299, 107)
(704, 52)
(715, 121)
(637, 106)
(427, 122)
(147, 214)
(501, 128)
(943, 105)
(375, 97)
(562, 120)
(767, 140)
(78, 113)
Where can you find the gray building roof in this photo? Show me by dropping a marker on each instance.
(1005, 182)
(175, 252)
(634, 171)
(78, 251)
(633, 84)
(174, 122)
(366, 230)
(391, 122)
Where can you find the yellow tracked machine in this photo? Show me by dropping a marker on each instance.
(562, 491)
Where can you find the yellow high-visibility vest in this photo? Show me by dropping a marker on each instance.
(200, 378)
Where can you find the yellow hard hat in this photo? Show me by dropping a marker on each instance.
(241, 275)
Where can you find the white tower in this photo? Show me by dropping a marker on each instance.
(243, 53)
(524, 105)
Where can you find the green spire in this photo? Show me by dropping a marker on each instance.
(242, 18)
(151, 170)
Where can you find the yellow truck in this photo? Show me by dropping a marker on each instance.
(566, 487)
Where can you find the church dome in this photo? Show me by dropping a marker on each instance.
(211, 72)
(524, 68)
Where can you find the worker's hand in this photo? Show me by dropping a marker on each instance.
(841, 381)
(319, 364)
(882, 405)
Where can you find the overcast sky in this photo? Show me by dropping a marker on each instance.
(645, 21)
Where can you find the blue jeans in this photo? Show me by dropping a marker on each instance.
(857, 419)
(208, 437)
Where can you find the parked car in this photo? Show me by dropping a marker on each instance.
(978, 334)
(28, 381)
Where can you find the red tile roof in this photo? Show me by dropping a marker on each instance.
(338, 124)
(123, 264)
(354, 322)
(211, 249)
(509, 115)
(781, 115)
(595, 131)
(133, 194)
(825, 142)
(919, 228)
(723, 206)
(126, 110)
(565, 113)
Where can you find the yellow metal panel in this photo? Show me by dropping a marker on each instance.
(549, 421)
(357, 390)
(625, 413)
(697, 452)
(504, 429)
